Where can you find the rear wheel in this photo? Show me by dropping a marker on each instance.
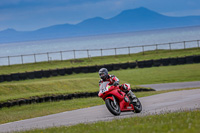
(113, 107)
(137, 106)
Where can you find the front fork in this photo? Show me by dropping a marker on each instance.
(114, 100)
(131, 94)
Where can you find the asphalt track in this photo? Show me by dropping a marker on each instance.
(156, 104)
(170, 86)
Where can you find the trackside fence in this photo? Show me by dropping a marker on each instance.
(88, 53)
(92, 69)
(87, 69)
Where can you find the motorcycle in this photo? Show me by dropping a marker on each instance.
(116, 100)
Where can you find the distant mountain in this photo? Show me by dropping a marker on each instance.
(127, 21)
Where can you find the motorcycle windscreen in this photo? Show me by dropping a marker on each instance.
(104, 87)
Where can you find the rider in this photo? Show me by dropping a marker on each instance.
(103, 73)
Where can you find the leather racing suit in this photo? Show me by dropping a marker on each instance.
(115, 81)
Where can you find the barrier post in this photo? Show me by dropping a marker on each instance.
(22, 59)
(143, 49)
(35, 58)
(48, 56)
(74, 54)
(61, 56)
(156, 48)
(88, 53)
(170, 48)
(9, 60)
(184, 44)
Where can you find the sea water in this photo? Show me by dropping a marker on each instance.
(90, 46)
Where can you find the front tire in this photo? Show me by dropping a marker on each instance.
(114, 109)
(137, 106)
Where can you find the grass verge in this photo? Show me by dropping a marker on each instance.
(77, 83)
(35, 110)
(178, 122)
(98, 60)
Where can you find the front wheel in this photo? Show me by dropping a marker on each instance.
(137, 106)
(113, 107)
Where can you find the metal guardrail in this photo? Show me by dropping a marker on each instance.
(73, 54)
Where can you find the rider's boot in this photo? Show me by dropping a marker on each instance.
(132, 96)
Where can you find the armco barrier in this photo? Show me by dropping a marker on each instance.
(52, 98)
(91, 69)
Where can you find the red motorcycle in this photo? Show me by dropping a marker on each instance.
(117, 101)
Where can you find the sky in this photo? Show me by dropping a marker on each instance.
(29, 15)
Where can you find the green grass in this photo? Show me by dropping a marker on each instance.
(178, 122)
(89, 82)
(41, 109)
(98, 60)
(44, 88)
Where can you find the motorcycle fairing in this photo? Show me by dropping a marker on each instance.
(106, 92)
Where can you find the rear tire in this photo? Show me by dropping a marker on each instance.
(137, 106)
(114, 109)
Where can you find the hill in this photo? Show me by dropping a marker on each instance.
(127, 21)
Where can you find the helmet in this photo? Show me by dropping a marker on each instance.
(103, 73)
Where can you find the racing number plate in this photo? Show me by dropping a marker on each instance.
(104, 89)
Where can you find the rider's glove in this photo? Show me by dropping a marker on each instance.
(125, 87)
(115, 83)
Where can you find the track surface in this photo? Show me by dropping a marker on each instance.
(172, 101)
(170, 86)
